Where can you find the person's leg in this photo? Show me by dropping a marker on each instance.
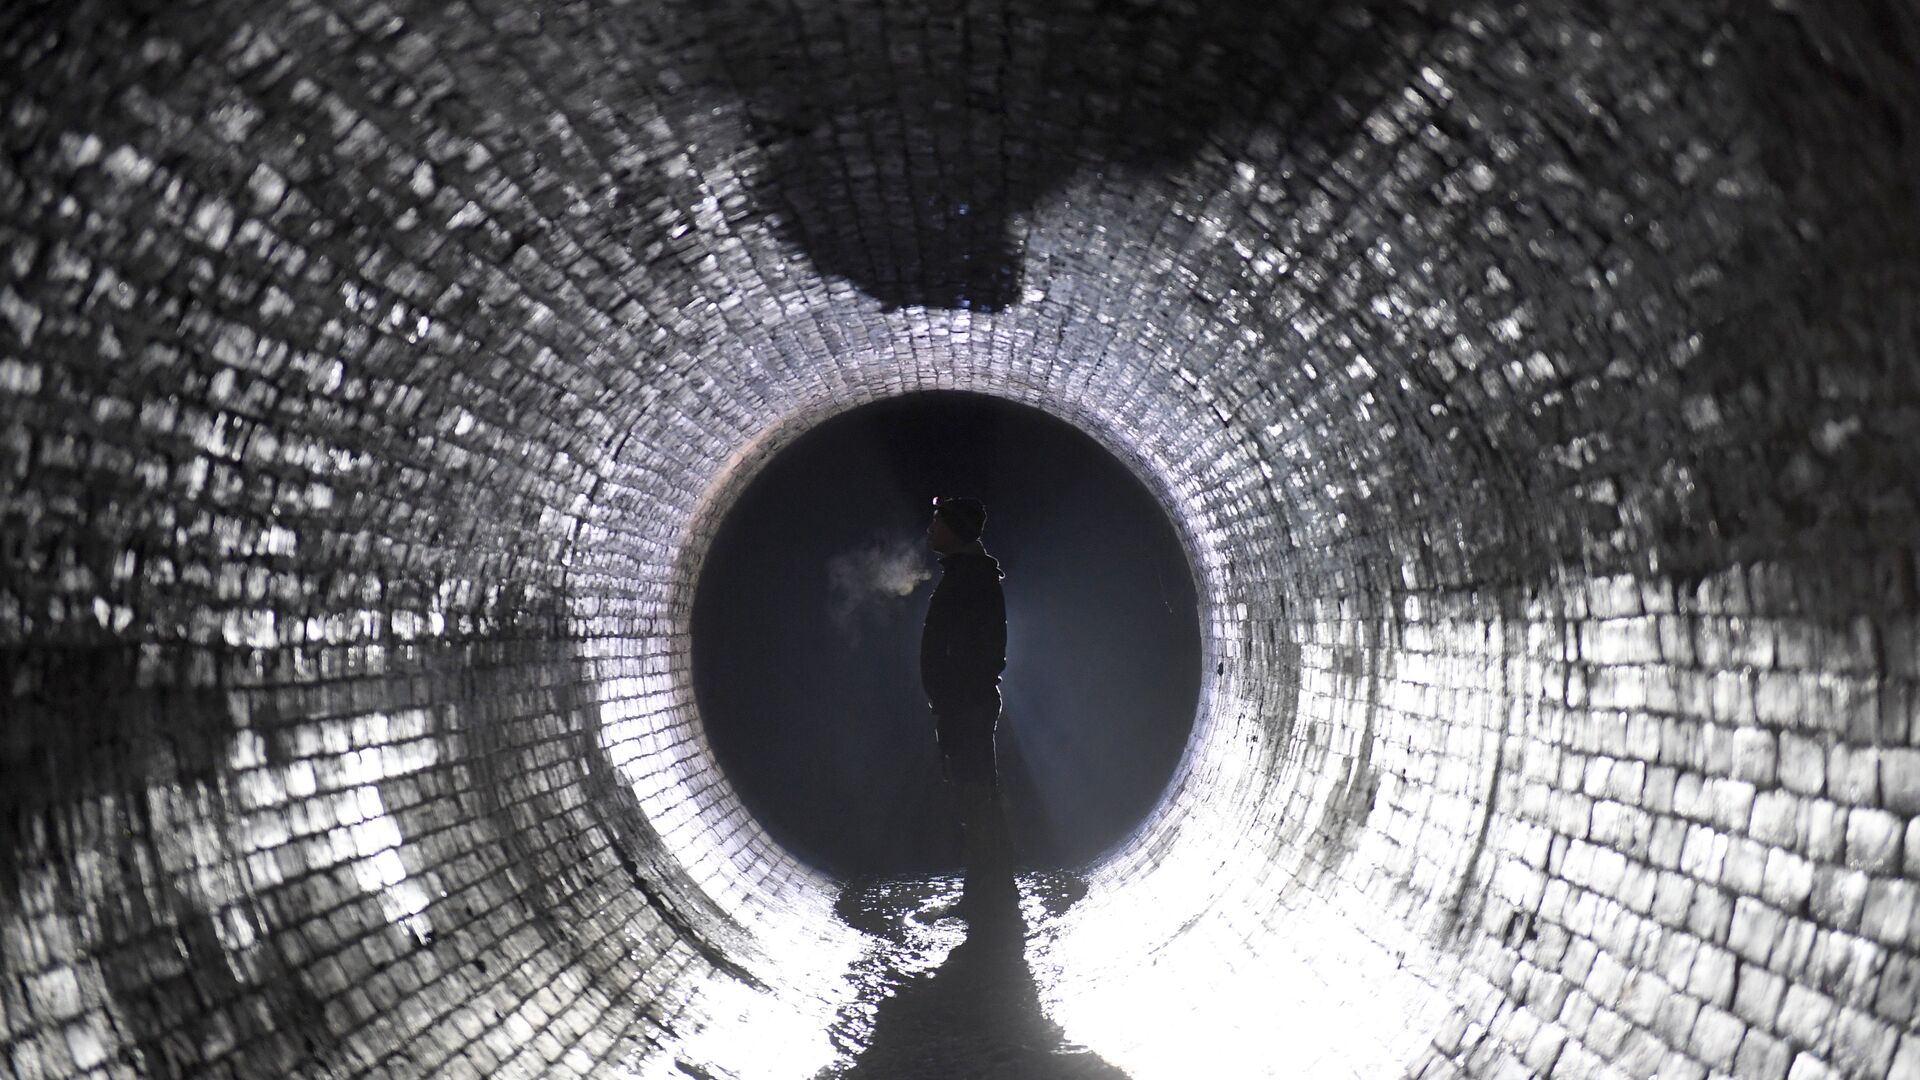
(984, 823)
(988, 847)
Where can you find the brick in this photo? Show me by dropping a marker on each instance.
(1788, 880)
(1900, 780)
(1806, 1016)
(1802, 764)
(1853, 774)
(1823, 829)
(1761, 1057)
(1755, 755)
(1775, 820)
(1544, 1048)
(1711, 978)
(1711, 916)
(1906, 1059)
(1887, 912)
(1874, 840)
(1642, 1055)
(1716, 1037)
(1757, 996)
(1898, 989)
(1732, 803)
(1745, 869)
(1754, 930)
(1673, 898)
(1863, 1044)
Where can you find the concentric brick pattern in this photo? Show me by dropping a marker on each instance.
(1535, 387)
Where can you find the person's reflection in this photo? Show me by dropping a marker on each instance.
(977, 1015)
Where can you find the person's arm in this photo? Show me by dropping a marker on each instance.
(935, 675)
(964, 647)
(979, 652)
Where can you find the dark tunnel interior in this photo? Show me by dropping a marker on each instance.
(807, 618)
(1529, 388)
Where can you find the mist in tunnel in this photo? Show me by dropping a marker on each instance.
(1531, 388)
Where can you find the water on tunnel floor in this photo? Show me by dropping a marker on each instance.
(946, 997)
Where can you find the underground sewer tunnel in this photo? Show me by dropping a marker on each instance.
(1532, 386)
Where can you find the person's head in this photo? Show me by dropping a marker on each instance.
(956, 523)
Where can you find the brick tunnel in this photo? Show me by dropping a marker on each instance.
(1534, 388)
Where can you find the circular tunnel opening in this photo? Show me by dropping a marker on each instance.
(807, 618)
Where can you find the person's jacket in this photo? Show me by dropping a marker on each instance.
(964, 647)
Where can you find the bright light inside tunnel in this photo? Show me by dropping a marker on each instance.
(1318, 1001)
(1314, 989)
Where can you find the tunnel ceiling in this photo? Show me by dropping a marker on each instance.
(1534, 386)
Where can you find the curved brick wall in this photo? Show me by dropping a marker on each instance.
(1535, 388)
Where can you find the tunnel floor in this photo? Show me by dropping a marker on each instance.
(943, 997)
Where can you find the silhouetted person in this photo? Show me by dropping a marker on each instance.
(962, 653)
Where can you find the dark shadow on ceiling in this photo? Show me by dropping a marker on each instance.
(907, 140)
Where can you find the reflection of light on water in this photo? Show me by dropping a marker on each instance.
(824, 1015)
(753, 1035)
(778, 1032)
(1316, 1000)
(1187, 970)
